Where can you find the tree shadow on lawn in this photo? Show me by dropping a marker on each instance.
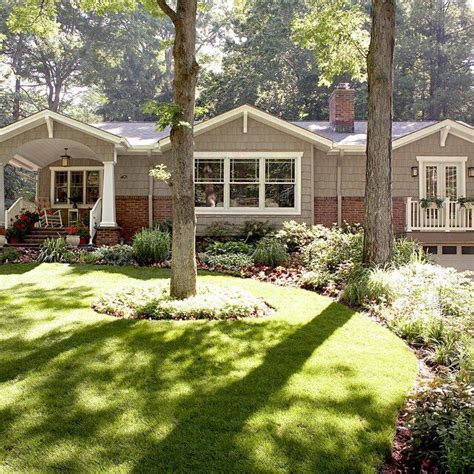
(158, 396)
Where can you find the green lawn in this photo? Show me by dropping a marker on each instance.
(314, 388)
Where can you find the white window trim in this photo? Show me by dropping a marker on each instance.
(226, 209)
(427, 160)
(53, 170)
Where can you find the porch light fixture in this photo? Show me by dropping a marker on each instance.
(414, 171)
(65, 159)
(470, 172)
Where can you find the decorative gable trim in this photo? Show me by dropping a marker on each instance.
(48, 117)
(445, 127)
(247, 111)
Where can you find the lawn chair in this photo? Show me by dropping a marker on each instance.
(49, 218)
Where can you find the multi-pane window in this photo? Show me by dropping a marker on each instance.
(76, 186)
(92, 186)
(209, 183)
(61, 187)
(253, 183)
(431, 181)
(244, 182)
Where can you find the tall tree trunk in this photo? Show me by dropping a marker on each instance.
(378, 240)
(183, 264)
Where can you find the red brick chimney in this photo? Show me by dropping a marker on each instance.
(341, 108)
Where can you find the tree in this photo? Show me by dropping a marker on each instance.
(378, 236)
(433, 60)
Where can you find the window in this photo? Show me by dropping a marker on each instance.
(79, 186)
(468, 250)
(209, 183)
(431, 249)
(247, 183)
(449, 250)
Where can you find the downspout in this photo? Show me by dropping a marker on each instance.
(339, 187)
(150, 197)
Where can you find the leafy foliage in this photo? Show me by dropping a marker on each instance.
(255, 230)
(271, 252)
(336, 32)
(441, 425)
(155, 303)
(151, 246)
(54, 250)
(116, 255)
(231, 262)
(222, 248)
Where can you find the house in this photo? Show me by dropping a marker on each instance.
(248, 165)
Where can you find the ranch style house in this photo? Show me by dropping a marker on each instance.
(248, 165)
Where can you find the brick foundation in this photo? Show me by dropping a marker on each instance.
(353, 211)
(108, 236)
(162, 208)
(132, 214)
(325, 211)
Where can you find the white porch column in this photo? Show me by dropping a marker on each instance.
(108, 196)
(2, 195)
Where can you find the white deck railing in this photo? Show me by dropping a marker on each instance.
(95, 217)
(20, 205)
(451, 216)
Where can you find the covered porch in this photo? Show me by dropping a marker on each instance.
(75, 171)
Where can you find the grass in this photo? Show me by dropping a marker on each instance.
(314, 388)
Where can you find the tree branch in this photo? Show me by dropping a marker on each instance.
(168, 10)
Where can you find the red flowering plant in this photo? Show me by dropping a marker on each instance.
(72, 230)
(3, 231)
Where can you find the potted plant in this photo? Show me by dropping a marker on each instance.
(466, 202)
(3, 239)
(72, 236)
(30, 217)
(83, 233)
(431, 203)
(15, 232)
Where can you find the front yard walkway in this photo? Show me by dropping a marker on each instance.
(314, 388)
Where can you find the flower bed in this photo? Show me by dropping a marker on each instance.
(214, 303)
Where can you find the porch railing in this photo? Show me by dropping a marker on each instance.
(95, 217)
(21, 204)
(451, 216)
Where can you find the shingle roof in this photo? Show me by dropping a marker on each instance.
(144, 133)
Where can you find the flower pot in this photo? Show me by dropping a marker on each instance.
(468, 205)
(3, 241)
(14, 240)
(432, 205)
(84, 240)
(73, 240)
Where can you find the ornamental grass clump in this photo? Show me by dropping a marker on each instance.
(270, 252)
(151, 246)
(211, 302)
(54, 250)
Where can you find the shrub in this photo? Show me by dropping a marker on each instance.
(332, 258)
(88, 258)
(425, 304)
(297, 236)
(54, 250)
(232, 246)
(253, 230)
(271, 252)
(165, 225)
(441, 424)
(406, 251)
(151, 246)
(118, 255)
(232, 262)
(9, 255)
(211, 302)
(222, 231)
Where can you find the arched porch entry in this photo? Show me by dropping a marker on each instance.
(85, 182)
